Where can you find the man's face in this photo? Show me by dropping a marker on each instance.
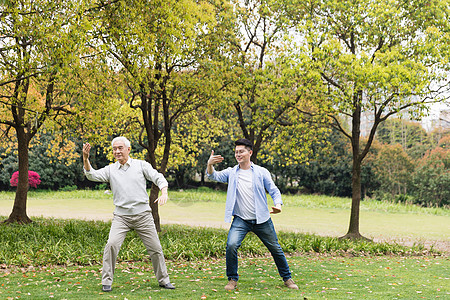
(242, 154)
(121, 152)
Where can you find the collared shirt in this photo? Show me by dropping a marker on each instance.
(126, 165)
(129, 184)
(262, 181)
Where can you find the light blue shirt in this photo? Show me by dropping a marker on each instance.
(262, 181)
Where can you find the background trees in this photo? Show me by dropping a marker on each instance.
(163, 50)
(54, 158)
(375, 58)
(40, 45)
(264, 83)
(181, 78)
(431, 181)
(51, 82)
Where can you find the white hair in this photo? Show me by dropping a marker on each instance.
(122, 139)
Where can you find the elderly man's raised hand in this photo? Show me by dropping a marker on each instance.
(86, 149)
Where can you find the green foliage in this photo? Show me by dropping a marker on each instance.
(410, 135)
(393, 168)
(56, 162)
(431, 181)
(264, 84)
(165, 51)
(45, 41)
(8, 165)
(422, 181)
(55, 159)
(327, 170)
(68, 188)
(375, 59)
(68, 242)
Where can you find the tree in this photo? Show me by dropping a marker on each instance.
(431, 180)
(264, 83)
(393, 167)
(376, 59)
(164, 50)
(40, 44)
(409, 134)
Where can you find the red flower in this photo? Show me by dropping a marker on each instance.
(33, 179)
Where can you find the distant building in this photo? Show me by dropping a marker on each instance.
(444, 119)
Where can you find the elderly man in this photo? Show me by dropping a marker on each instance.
(127, 178)
(247, 202)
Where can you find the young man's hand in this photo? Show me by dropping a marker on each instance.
(213, 159)
(276, 209)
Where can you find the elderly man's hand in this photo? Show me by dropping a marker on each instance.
(163, 198)
(86, 149)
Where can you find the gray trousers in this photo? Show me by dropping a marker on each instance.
(144, 226)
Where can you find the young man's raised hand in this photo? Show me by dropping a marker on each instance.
(213, 159)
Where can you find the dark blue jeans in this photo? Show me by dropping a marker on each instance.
(266, 233)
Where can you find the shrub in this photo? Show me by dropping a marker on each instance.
(431, 181)
(68, 242)
(33, 179)
(68, 188)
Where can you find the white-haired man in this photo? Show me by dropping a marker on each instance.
(127, 178)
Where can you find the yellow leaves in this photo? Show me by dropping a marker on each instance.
(58, 149)
(63, 151)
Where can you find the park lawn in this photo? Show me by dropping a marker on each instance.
(318, 277)
(323, 215)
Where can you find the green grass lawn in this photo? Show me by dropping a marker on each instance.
(323, 215)
(318, 277)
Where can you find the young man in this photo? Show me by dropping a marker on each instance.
(127, 178)
(247, 203)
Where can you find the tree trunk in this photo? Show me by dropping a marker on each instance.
(353, 230)
(154, 192)
(202, 177)
(19, 212)
(254, 157)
